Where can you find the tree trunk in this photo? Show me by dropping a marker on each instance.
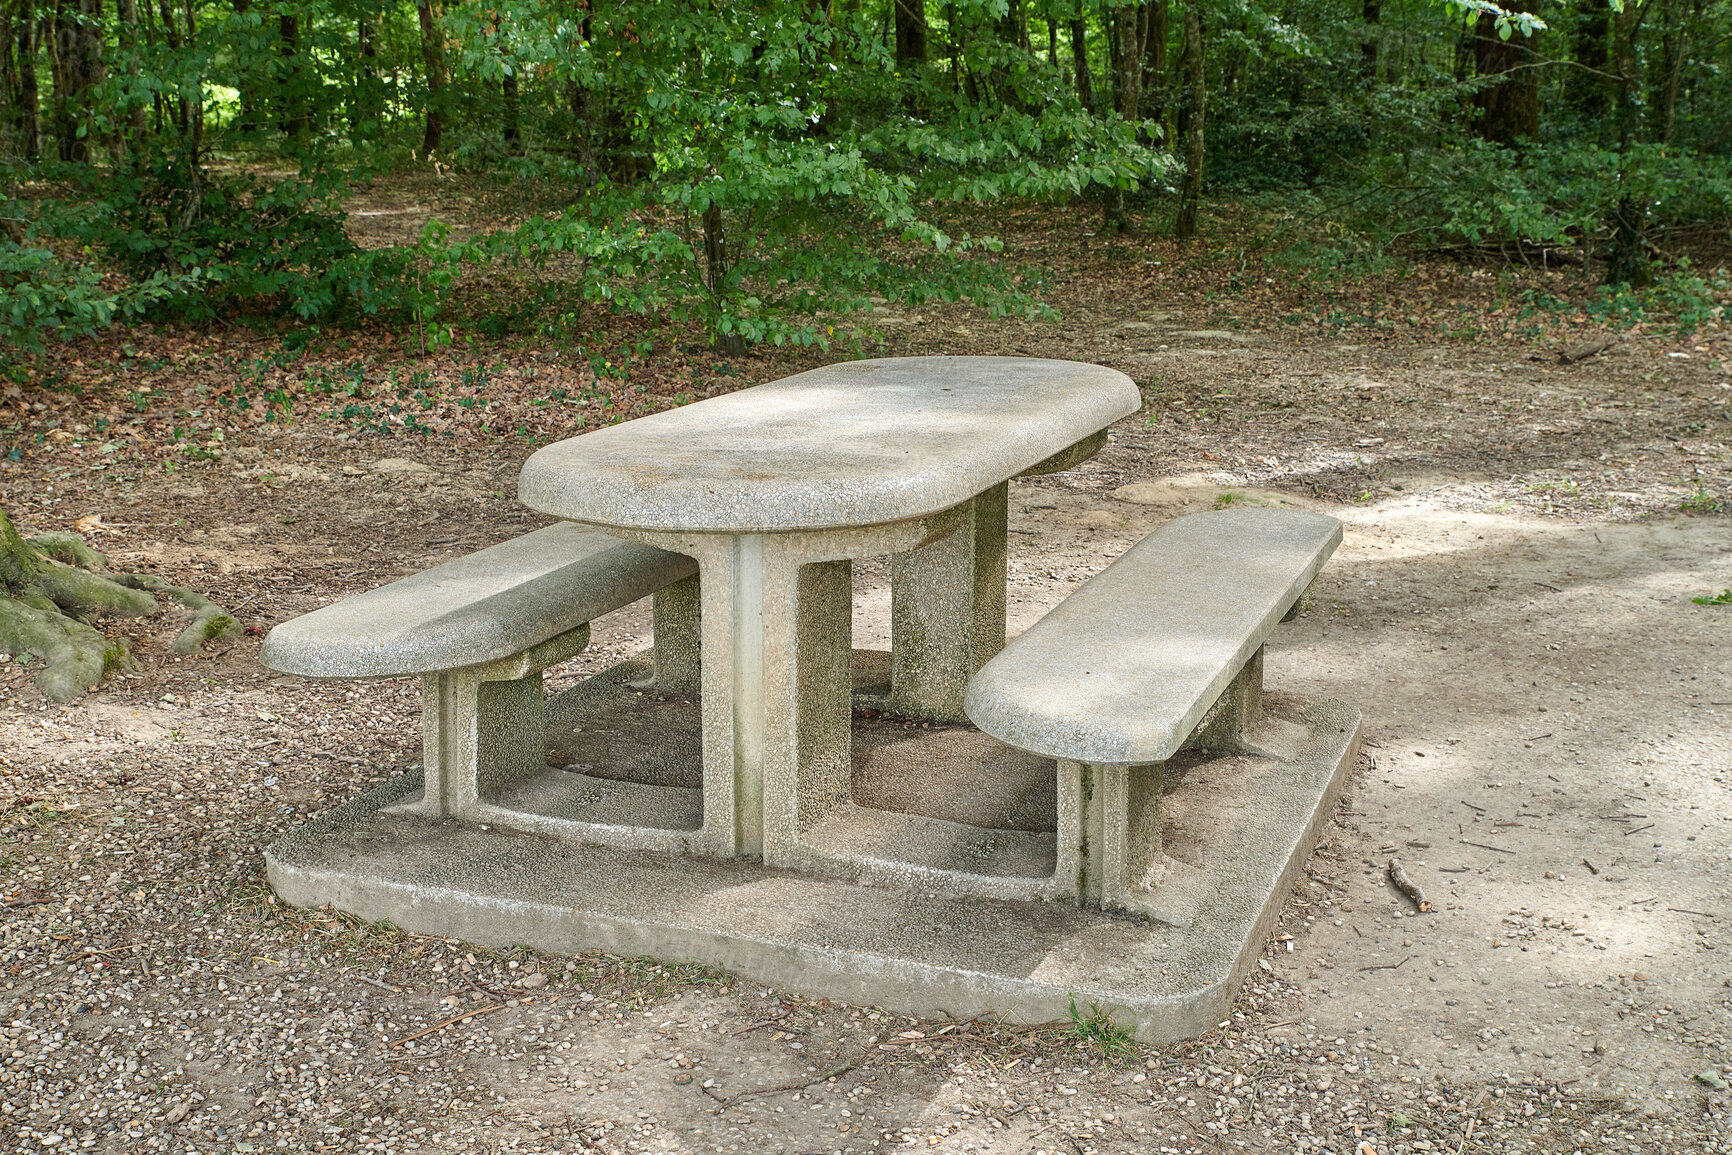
(1371, 12)
(76, 59)
(369, 99)
(1128, 64)
(1155, 78)
(1509, 110)
(1127, 61)
(717, 261)
(294, 118)
(433, 58)
(1196, 106)
(910, 30)
(1627, 254)
(127, 10)
(18, 62)
(1079, 54)
(511, 127)
(1590, 47)
(1664, 101)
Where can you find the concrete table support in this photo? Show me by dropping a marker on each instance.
(678, 616)
(947, 607)
(776, 639)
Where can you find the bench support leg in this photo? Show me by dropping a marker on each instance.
(475, 735)
(947, 604)
(678, 634)
(1110, 832)
(483, 726)
(1235, 714)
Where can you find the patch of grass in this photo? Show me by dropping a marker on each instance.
(1702, 502)
(1723, 598)
(1097, 1027)
(1221, 502)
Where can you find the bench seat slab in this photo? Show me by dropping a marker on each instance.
(1123, 670)
(482, 608)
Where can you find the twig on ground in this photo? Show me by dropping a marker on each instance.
(443, 1025)
(813, 1082)
(1483, 846)
(1638, 830)
(1388, 966)
(1407, 886)
(1471, 806)
(83, 954)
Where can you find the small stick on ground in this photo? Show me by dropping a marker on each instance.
(443, 1025)
(1408, 887)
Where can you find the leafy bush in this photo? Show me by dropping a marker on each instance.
(44, 298)
(229, 244)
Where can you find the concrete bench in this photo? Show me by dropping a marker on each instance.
(1160, 651)
(479, 631)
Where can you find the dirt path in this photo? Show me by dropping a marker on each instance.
(1550, 759)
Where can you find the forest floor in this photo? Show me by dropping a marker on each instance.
(1512, 612)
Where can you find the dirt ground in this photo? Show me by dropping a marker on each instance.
(1512, 612)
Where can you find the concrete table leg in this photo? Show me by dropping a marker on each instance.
(775, 691)
(775, 630)
(678, 627)
(947, 605)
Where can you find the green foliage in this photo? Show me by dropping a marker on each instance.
(220, 245)
(1702, 502)
(1723, 598)
(44, 298)
(1097, 1027)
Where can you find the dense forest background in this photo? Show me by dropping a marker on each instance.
(768, 169)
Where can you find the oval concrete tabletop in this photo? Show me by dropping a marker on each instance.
(854, 444)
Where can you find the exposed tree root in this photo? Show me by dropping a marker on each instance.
(51, 582)
(75, 656)
(210, 621)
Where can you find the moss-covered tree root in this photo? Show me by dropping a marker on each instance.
(51, 583)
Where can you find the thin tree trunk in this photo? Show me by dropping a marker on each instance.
(1196, 107)
(1127, 97)
(364, 115)
(1510, 109)
(433, 57)
(1590, 47)
(716, 264)
(1627, 255)
(76, 56)
(910, 30)
(294, 118)
(1665, 99)
(249, 120)
(26, 98)
(1079, 54)
(1371, 12)
(1128, 65)
(1155, 79)
(511, 128)
(127, 10)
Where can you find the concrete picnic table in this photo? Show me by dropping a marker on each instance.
(774, 490)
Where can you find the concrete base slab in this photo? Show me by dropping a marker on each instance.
(1244, 825)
